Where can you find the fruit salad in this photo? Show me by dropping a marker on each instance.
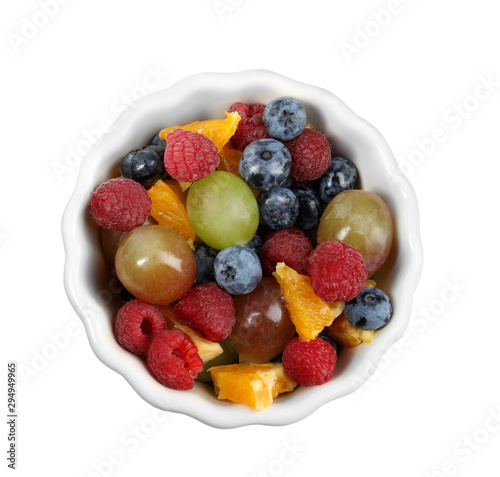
(245, 249)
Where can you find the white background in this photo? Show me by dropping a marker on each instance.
(430, 406)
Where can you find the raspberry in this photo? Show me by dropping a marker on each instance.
(250, 128)
(337, 271)
(173, 359)
(291, 246)
(309, 363)
(190, 156)
(208, 309)
(120, 204)
(136, 324)
(311, 155)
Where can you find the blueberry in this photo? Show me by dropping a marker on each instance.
(205, 258)
(370, 310)
(158, 141)
(255, 244)
(237, 269)
(284, 118)
(265, 163)
(326, 338)
(341, 175)
(310, 208)
(278, 208)
(145, 166)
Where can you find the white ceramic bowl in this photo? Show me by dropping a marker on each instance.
(92, 290)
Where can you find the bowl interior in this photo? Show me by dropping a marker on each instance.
(93, 291)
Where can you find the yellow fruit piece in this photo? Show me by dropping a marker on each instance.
(336, 308)
(168, 210)
(207, 349)
(184, 185)
(230, 160)
(218, 130)
(308, 312)
(347, 335)
(255, 385)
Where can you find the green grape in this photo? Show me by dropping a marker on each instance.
(223, 210)
(155, 264)
(363, 220)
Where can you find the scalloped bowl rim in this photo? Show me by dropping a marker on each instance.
(130, 130)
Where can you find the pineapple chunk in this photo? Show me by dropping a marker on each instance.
(207, 349)
(347, 335)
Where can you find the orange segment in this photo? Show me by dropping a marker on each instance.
(230, 160)
(168, 210)
(309, 313)
(207, 349)
(218, 130)
(176, 186)
(255, 385)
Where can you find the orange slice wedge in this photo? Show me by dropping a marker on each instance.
(168, 210)
(218, 130)
(176, 186)
(230, 160)
(308, 312)
(255, 385)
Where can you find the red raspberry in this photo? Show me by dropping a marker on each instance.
(208, 309)
(136, 324)
(250, 128)
(120, 204)
(309, 363)
(190, 156)
(311, 155)
(337, 271)
(291, 246)
(173, 359)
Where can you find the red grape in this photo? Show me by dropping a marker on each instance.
(263, 326)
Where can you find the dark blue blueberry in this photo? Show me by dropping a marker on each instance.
(326, 338)
(341, 175)
(205, 258)
(255, 244)
(288, 183)
(237, 269)
(284, 118)
(278, 208)
(158, 141)
(265, 163)
(370, 310)
(310, 208)
(145, 165)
